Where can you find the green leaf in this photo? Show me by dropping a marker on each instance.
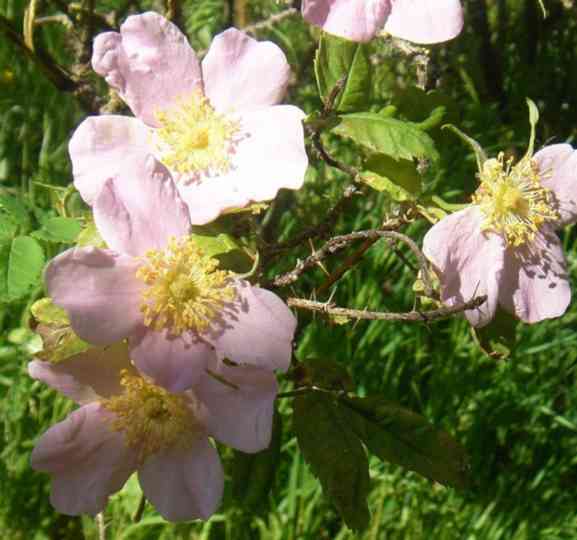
(335, 455)
(253, 474)
(45, 311)
(214, 244)
(8, 227)
(400, 179)
(339, 58)
(59, 229)
(59, 341)
(498, 338)
(21, 263)
(400, 436)
(90, 237)
(16, 209)
(384, 135)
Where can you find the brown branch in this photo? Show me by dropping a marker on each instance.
(272, 20)
(410, 316)
(339, 243)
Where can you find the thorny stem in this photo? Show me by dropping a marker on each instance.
(339, 243)
(410, 316)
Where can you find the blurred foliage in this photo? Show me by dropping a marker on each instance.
(516, 417)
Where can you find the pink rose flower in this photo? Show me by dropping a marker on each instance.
(419, 21)
(155, 287)
(504, 245)
(126, 424)
(218, 128)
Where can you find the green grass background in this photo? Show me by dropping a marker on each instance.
(517, 418)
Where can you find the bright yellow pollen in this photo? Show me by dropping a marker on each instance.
(194, 139)
(513, 200)
(151, 418)
(186, 291)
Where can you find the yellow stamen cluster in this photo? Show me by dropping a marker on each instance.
(151, 418)
(194, 139)
(513, 200)
(186, 291)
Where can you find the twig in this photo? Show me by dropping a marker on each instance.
(272, 20)
(410, 316)
(338, 243)
(320, 230)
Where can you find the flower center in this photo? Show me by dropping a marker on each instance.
(151, 418)
(186, 291)
(513, 200)
(193, 139)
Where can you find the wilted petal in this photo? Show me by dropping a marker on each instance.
(175, 363)
(150, 63)
(239, 410)
(184, 484)
(87, 376)
(558, 171)
(86, 459)
(469, 262)
(271, 157)
(99, 290)
(140, 210)
(535, 282)
(258, 330)
(241, 73)
(351, 19)
(425, 21)
(100, 145)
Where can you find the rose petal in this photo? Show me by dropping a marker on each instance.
(87, 376)
(184, 484)
(100, 145)
(241, 73)
(175, 363)
(86, 459)
(257, 330)
(350, 19)
(272, 156)
(535, 283)
(425, 21)
(239, 414)
(140, 210)
(150, 63)
(469, 262)
(558, 171)
(99, 290)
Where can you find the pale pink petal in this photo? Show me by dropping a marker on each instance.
(184, 484)
(87, 376)
(558, 171)
(257, 330)
(271, 157)
(99, 290)
(175, 363)
(208, 198)
(469, 262)
(140, 210)
(150, 63)
(87, 460)
(425, 21)
(351, 19)
(535, 283)
(241, 73)
(100, 145)
(239, 414)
